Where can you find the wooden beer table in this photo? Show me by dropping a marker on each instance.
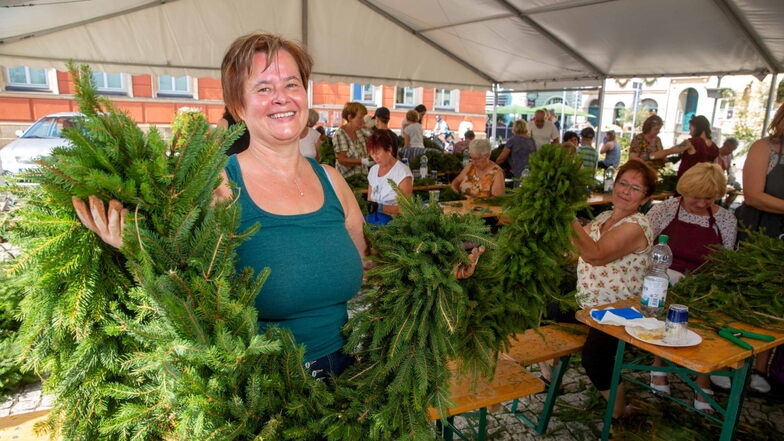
(714, 356)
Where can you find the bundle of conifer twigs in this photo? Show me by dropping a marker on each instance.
(159, 339)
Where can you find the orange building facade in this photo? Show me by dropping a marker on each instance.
(28, 94)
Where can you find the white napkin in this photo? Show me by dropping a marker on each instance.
(615, 320)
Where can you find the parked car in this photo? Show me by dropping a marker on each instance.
(36, 142)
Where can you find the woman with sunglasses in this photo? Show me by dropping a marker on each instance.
(613, 259)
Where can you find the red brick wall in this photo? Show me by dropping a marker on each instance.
(65, 83)
(210, 89)
(472, 101)
(142, 86)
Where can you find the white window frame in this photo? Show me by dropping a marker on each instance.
(104, 88)
(27, 85)
(373, 92)
(413, 97)
(175, 93)
(454, 99)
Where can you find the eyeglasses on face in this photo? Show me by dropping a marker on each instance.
(624, 184)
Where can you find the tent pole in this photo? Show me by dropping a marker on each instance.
(563, 103)
(495, 115)
(771, 101)
(304, 18)
(716, 100)
(599, 121)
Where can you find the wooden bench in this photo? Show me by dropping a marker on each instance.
(557, 341)
(510, 382)
(21, 427)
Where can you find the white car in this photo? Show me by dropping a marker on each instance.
(36, 142)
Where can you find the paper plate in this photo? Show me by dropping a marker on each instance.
(691, 338)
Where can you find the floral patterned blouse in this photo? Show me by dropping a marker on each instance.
(620, 279)
(642, 147)
(477, 187)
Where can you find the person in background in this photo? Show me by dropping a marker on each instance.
(350, 141)
(543, 131)
(441, 131)
(387, 168)
(381, 120)
(613, 259)
(699, 148)
(763, 207)
(694, 224)
(310, 138)
(467, 138)
(572, 137)
(611, 150)
(647, 146)
(421, 110)
(586, 150)
(482, 178)
(553, 118)
(518, 148)
(241, 143)
(465, 125)
(725, 158)
(413, 138)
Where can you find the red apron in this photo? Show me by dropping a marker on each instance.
(690, 243)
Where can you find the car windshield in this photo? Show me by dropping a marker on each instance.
(51, 127)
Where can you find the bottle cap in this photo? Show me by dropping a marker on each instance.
(663, 238)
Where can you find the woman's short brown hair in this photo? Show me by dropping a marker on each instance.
(703, 180)
(380, 140)
(238, 63)
(649, 175)
(650, 122)
(412, 116)
(352, 109)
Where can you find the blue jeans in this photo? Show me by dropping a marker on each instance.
(330, 365)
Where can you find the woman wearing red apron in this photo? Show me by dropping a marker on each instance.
(694, 224)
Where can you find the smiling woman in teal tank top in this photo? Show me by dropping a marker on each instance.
(311, 226)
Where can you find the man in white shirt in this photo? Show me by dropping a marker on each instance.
(543, 131)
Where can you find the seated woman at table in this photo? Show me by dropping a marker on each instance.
(613, 259)
(518, 148)
(387, 167)
(481, 178)
(693, 223)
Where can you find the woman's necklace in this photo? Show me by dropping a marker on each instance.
(278, 172)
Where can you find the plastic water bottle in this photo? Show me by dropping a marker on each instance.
(423, 166)
(526, 171)
(466, 158)
(656, 281)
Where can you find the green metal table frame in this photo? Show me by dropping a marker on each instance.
(549, 402)
(727, 417)
(448, 431)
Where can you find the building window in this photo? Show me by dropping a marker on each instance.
(446, 99)
(24, 77)
(726, 108)
(364, 93)
(650, 105)
(108, 83)
(174, 86)
(618, 112)
(404, 97)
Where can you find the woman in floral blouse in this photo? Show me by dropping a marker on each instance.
(613, 259)
(647, 146)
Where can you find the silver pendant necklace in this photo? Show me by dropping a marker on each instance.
(278, 172)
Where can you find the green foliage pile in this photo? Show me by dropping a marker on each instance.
(530, 257)
(405, 334)
(746, 284)
(357, 182)
(158, 341)
(327, 152)
(668, 179)
(441, 161)
(12, 373)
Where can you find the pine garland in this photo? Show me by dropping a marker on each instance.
(746, 284)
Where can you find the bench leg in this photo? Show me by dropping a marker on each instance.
(552, 393)
(616, 376)
(740, 379)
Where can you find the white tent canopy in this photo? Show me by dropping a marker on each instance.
(518, 44)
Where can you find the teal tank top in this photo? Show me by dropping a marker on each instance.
(315, 266)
